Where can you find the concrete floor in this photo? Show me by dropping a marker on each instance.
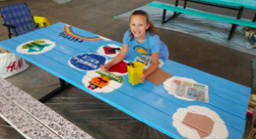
(94, 116)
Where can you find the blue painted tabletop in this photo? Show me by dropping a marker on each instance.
(68, 53)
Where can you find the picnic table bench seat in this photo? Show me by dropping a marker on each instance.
(31, 118)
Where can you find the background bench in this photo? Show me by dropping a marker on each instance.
(32, 119)
(203, 14)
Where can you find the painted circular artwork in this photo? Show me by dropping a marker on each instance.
(104, 82)
(37, 46)
(87, 62)
(110, 50)
(120, 68)
(191, 123)
(187, 89)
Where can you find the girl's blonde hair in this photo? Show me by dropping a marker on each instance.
(152, 29)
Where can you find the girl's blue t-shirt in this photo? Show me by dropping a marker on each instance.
(152, 44)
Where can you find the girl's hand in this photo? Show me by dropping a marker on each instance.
(142, 78)
(104, 67)
(118, 58)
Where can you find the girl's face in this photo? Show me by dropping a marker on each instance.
(139, 25)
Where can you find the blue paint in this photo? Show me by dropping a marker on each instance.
(87, 61)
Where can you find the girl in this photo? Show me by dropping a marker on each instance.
(142, 38)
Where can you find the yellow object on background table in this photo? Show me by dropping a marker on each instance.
(135, 70)
(41, 21)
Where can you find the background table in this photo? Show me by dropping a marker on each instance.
(247, 4)
(146, 102)
(230, 4)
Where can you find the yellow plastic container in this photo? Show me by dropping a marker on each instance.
(135, 71)
(41, 21)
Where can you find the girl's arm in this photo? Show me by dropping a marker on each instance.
(116, 59)
(151, 68)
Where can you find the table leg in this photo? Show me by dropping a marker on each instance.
(63, 86)
(254, 18)
(176, 4)
(233, 28)
(175, 14)
(163, 17)
(185, 4)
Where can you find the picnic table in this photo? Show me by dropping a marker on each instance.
(247, 4)
(237, 6)
(75, 55)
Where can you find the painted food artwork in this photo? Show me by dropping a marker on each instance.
(87, 62)
(99, 81)
(104, 82)
(35, 46)
(194, 125)
(110, 50)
